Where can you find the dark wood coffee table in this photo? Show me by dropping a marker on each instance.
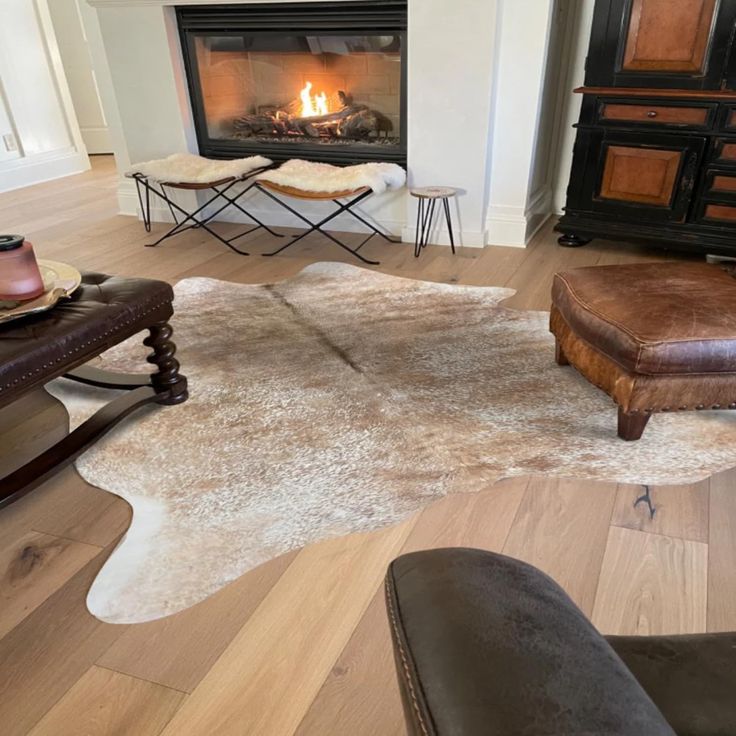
(103, 312)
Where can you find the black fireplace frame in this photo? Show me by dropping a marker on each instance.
(334, 17)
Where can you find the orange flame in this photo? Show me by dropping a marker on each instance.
(313, 105)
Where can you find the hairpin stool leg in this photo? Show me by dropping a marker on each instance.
(446, 205)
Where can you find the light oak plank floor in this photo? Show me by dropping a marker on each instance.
(300, 645)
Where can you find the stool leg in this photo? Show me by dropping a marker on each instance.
(631, 426)
(167, 380)
(417, 238)
(446, 204)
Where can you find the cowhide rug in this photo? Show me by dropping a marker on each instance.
(341, 401)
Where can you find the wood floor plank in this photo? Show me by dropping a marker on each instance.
(360, 696)
(680, 511)
(295, 636)
(561, 528)
(32, 567)
(67, 506)
(45, 654)
(82, 512)
(28, 427)
(722, 553)
(651, 584)
(153, 650)
(103, 703)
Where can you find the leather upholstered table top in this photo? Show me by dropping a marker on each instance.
(102, 312)
(654, 318)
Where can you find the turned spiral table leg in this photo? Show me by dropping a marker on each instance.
(167, 380)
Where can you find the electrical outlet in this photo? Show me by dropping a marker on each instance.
(10, 143)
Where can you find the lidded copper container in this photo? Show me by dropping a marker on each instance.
(20, 277)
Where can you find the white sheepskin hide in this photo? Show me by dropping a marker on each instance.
(314, 177)
(186, 168)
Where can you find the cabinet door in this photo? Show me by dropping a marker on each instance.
(649, 177)
(660, 43)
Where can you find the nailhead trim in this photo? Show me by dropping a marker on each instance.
(653, 410)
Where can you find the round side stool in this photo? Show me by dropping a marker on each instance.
(428, 197)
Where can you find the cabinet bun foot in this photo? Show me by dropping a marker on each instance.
(572, 241)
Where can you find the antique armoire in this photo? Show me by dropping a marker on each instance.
(655, 152)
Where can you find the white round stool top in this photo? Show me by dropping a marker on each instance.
(433, 192)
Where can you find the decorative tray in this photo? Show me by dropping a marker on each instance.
(60, 280)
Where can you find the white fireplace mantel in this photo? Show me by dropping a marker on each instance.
(494, 54)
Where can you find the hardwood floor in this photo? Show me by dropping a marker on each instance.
(301, 645)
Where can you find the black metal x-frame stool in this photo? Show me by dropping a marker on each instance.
(353, 197)
(223, 189)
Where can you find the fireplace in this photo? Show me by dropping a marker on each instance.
(324, 81)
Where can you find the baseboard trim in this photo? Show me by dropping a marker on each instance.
(29, 170)
(516, 226)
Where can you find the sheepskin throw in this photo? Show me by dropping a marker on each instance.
(186, 168)
(313, 177)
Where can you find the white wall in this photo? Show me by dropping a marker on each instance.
(6, 128)
(522, 46)
(451, 66)
(71, 37)
(36, 101)
(554, 97)
(577, 40)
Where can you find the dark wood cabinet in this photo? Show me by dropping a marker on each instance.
(660, 43)
(655, 152)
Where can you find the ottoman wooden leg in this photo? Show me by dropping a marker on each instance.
(560, 357)
(631, 426)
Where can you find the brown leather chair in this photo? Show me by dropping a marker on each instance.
(486, 645)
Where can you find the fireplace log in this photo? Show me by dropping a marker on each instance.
(359, 125)
(352, 121)
(247, 125)
(332, 117)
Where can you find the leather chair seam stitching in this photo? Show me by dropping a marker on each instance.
(404, 660)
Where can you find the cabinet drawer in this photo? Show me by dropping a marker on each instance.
(727, 118)
(724, 151)
(718, 212)
(719, 184)
(693, 116)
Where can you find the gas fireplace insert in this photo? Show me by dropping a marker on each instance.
(325, 81)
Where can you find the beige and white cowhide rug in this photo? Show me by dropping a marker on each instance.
(341, 401)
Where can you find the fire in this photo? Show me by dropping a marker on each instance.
(312, 106)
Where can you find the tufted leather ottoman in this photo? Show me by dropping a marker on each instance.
(654, 336)
(103, 312)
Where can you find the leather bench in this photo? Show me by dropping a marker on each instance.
(654, 336)
(102, 312)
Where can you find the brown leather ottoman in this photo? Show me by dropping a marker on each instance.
(654, 336)
(103, 312)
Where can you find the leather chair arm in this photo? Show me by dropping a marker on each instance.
(489, 646)
(691, 678)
